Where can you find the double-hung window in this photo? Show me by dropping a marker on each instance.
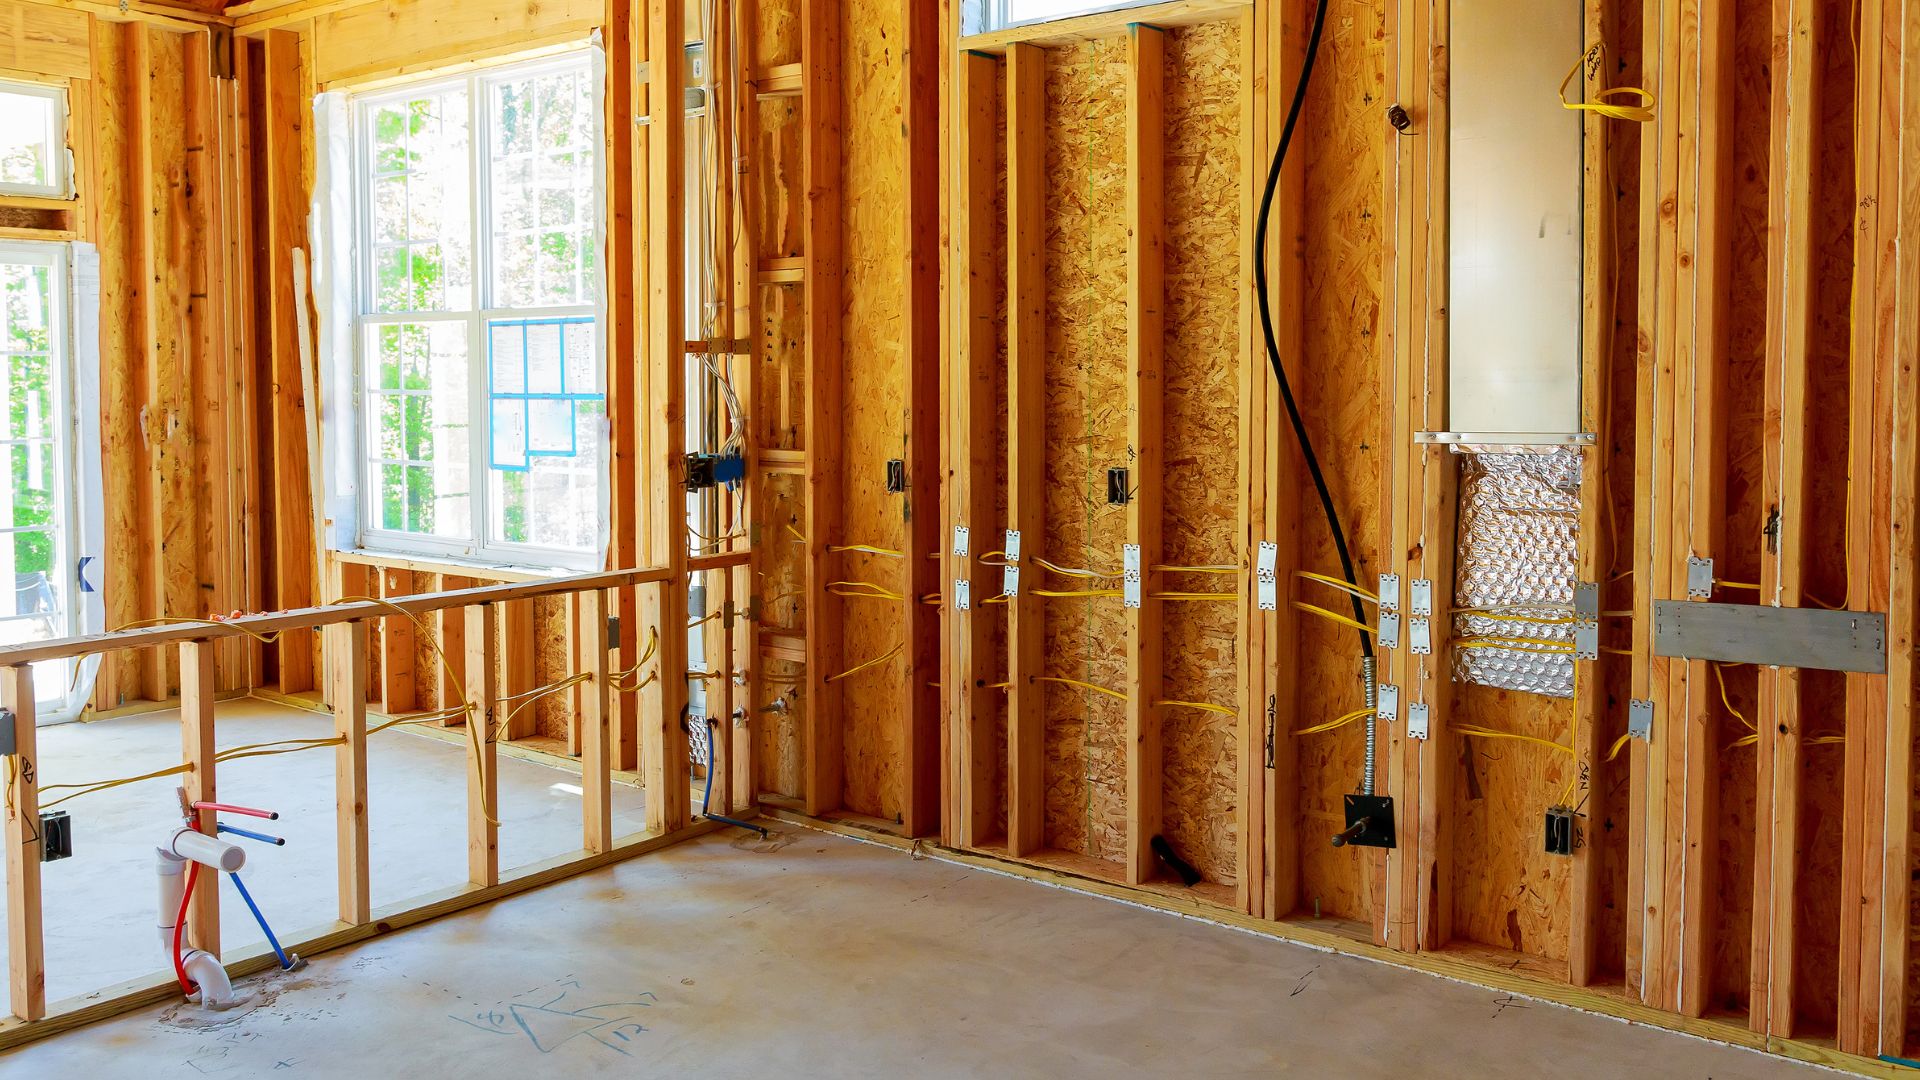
(984, 15)
(33, 144)
(480, 377)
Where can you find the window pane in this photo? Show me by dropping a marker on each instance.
(28, 140)
(541, 179)
(419, 428)
(29, 500)
(422, 205)
(548, 422)
(555, 501)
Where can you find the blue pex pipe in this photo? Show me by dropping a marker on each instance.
(262, 920)
(276, 841)
(706, 797)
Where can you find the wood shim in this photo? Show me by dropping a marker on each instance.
(874, 370)
(1202, 480)
(1086, 435)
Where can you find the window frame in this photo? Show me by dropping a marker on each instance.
(991, 15)
(65, 701)
(59, 164)
(482, 312)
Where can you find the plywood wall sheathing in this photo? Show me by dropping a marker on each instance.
(1342, 385)
(872, 419)
(1201, 471)
(969, 661)
(1086, 435)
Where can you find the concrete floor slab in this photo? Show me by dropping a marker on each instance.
(815, 955)
(100, 910)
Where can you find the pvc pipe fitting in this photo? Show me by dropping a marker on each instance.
(207, 851)
(216, 990)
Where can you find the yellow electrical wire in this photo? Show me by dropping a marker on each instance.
(1489, 733)
(1076, 592)
(103, 785)
(1749, 586)
(1479, 613)
(869, 549)
(871, 590)
(1618, 745)
(858, 668)
(467, 707)
(1601, 105)
(1195, 596)
(1344, 586)
(992, 558)
(1220, 568)
(797, 534)
(1201, 705)
(703, 620)
(1337, 722)
(1335, 616)
(1724, 700)
(1082, 685)
(1072, 571)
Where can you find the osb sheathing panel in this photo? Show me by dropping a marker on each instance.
(781, 558)
(553, 661)
(780, 375)
(1743, 396)
(1086, 434)
(1340, 380)
(778, 731)
(1615, 671)
(874, 377)
(1510, 893)
(1201, 485)
(778, 40)
(781, 185)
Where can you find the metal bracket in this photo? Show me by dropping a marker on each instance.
(1389, 592)
(1640, 719)
(1422, 599)
(1267, 576)
(1013, 545)
(1417, 720)
(1387, 636)
(962, 594)
(1130, 575)
(1586, 620)
(1700, 577)
(1010, 579)
(960, 544)
(1419, 637)
(1387, 706)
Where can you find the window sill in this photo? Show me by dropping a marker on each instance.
(453, 565)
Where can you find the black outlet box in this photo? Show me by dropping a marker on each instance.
(1559, 830)
(56, 836)
(1119, 493)
(1369, 822)
(896, 476)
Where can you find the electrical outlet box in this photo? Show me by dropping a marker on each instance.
(896, 476)
(56, 835)
(1119, 491)
(9, 745)
(1559, 830)
(1369, 822)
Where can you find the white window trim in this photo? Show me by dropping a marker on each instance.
(60, 163)
(481, 550)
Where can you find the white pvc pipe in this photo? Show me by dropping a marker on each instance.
(169, 872)
(207, 851)
(216, 991)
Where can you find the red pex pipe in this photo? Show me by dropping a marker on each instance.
(179, 927)
(228, 808)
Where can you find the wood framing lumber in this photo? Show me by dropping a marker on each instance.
(1026, 71)
(26, 945)
(483, 729)
(345, 653)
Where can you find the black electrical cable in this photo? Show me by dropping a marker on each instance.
(1266, 322)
